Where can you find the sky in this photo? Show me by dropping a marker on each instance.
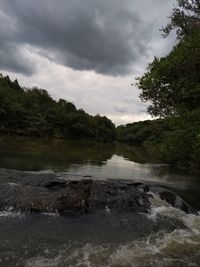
(88, 52)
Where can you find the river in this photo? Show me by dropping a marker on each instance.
(165, 237)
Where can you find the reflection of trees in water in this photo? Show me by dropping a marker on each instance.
(33, 154)
(132, 153)
(27, 153)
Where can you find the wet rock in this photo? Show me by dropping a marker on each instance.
(169, 197)
(176, 201)
(56, 184)
(142, 187)
(32, 193)
(117, 196)
(47, 192)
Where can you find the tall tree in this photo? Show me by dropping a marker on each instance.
(172, 83)
(185, 18)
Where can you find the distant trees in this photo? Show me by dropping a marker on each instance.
(174, 140)
(33, 112)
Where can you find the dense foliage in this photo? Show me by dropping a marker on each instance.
(172, 140)
(171, 85)
(33, 112)
(185, 18)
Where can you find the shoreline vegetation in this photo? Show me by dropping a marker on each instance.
(32, 112)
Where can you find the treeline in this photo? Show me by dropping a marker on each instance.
(32, 112)
(174, 140)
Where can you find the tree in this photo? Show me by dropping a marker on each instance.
(185, 18)
(33, 112)
(172, 83)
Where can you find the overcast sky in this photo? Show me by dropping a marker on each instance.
(85, 51)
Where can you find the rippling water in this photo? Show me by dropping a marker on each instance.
(165, 237)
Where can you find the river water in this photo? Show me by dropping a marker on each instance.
(165, 237)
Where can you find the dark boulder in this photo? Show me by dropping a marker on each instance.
(47, 192)
(176, 201)
(37, 193)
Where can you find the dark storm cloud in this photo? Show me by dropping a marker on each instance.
(12, 57)
(106, 36)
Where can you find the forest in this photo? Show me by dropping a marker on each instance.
(33, 112)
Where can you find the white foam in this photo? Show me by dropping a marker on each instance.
(177, 248)
(13, 184)
(42, 262)
(180, 247)
(11, 214)
(161, 207)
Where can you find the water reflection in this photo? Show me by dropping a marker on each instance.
(41, 154)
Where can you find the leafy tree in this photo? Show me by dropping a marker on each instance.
(185, 18)
(172, 83)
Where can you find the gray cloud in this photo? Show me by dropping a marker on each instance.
(119, 109)
(12, 59)
(106, 36)
(11, 56)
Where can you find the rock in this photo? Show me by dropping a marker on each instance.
(169, 197)
(46, 192)
(56, 184)
(37, 193)
(176, 201)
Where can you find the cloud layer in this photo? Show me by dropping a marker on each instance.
(105, 36)
(86, 51)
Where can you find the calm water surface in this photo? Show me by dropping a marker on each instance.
(165, 237)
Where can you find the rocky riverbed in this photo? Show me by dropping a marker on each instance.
(48, 192)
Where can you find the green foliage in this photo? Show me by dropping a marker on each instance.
(174, 140)
(139, 132)
(172, 83)
(33, 112)
(185, 18)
